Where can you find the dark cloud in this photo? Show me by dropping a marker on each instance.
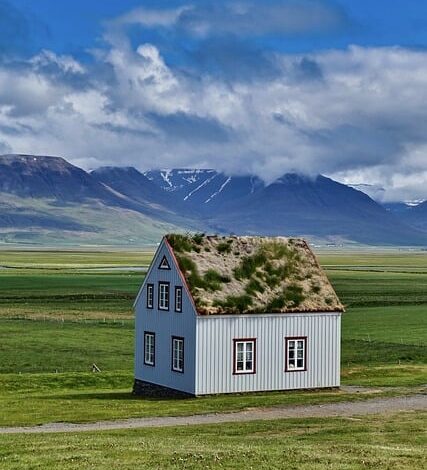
(233, 59)
(307, 68)
(191, 128)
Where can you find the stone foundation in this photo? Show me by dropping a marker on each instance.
(147, 389)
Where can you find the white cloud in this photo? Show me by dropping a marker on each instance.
(361, 119)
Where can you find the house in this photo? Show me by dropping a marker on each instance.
(235, 314)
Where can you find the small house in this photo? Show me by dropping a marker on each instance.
(235, 314)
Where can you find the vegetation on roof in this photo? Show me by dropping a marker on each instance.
(252, 274)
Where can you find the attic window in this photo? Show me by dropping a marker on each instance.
(164, 264)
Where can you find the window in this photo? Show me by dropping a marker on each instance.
(295, 354)
(177, 354)
(244, 356)
(178, 299)
(149, 348)
(150, 295)
(163, 295)
(164, 264)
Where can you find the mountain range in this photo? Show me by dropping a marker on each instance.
(46, 200)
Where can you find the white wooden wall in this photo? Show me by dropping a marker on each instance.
(214, 351)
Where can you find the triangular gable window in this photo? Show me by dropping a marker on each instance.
(164, 264)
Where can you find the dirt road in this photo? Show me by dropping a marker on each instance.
(372, 406)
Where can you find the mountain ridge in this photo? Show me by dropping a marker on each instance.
(37, 187)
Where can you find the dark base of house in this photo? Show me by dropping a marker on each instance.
(148, 389)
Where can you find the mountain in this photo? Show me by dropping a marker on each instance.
(374, 191)
(47, 200)
(204, 192)
(315, 207)
(30, 176)
(416, 216)
(133, 184)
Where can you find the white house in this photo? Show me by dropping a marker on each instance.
(235, 314)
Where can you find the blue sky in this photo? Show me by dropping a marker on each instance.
(335, 87)
(72, 26)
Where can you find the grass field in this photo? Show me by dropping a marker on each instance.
(58, 316)
(374, 442)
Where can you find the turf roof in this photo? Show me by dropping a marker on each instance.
(231, 275)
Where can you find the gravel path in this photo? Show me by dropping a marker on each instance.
(372, 406)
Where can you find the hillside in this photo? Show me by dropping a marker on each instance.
(49, 201)
(319, 207)
(46, 200)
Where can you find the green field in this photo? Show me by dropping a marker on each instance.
(60, 312)
(58, 315)
(374, 442)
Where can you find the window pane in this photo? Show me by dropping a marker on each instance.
(300, 353)
(300, 363)
(291, 344)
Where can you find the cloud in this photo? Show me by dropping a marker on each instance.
(190, 128)
(356, 114)
(255, 18)
(239, 18)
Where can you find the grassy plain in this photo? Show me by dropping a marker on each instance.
(58, 315)
(381, 442)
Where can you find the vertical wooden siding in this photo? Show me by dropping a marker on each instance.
(214, 354)
(165, 324)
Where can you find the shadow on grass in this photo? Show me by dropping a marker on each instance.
(114, 396)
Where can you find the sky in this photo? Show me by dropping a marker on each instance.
(336, 87)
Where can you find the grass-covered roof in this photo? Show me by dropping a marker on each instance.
(252, 274)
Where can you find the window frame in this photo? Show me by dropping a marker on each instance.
(150, 285)
(295, 338)
(167, 284)
(178, 289)
(173, 339)
(254, 356)
(150, 333)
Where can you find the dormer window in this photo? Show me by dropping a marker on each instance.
(164, 264)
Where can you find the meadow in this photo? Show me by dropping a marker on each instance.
(60, 312)
(380, 442)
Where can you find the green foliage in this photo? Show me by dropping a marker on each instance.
(211, 280)
(238, 304)
(253, 286)
(198, 238)
(180, 243)
(224, 247)
(249, 265)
